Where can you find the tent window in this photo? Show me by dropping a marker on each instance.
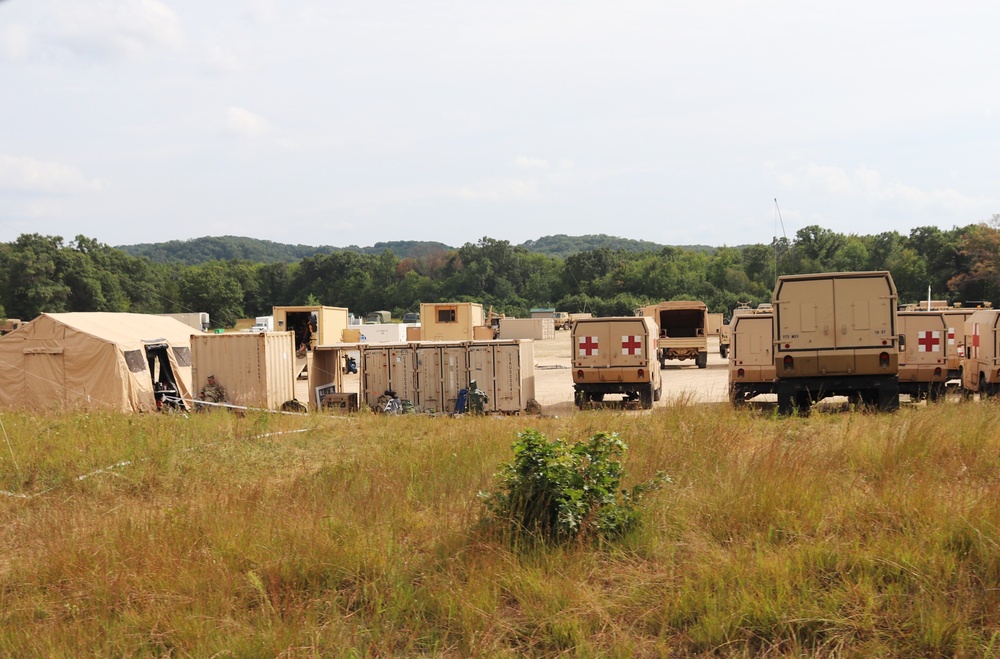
(183, 355)
(136, 360)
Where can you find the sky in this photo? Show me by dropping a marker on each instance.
(356, 122)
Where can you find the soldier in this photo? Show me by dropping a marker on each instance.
(213, 392)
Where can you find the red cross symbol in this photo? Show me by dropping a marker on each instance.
(929, 341)
(974, 349)
(631, 345)
(588, 345)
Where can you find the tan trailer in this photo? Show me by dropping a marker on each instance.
(836, 334)
(681, 327)
(616, 356)
(923, 354)
(257, 370)
(751, 360)
(981, 365)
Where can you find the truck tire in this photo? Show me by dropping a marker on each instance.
(580, 399)
(803, 403)
(658, 393)
(935, 392)
(736, 396)
(702, 359)
(646, 397)
(722, 351)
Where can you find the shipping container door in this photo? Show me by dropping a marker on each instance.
(454, 374)
(805, 314)
(430, 388)
(482, 370)
(507, 366)
(403, 372)
(374, 373)
(864, 312)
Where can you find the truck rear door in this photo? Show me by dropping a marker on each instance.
(863, 312)
(806, 314)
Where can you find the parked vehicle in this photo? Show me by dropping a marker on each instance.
(681, 327)
(615, 356)
(751, 358)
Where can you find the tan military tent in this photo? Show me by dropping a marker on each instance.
(111, 361)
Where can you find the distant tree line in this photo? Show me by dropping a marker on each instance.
(44, 274)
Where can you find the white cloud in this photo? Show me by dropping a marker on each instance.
(27, 175)
(245, 123)
(15, 42)
(500, 190)
(525, 162)
(869, 185)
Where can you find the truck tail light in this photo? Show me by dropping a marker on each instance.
(642, 373)
(937, 372)
(789, 363)
(740, 373)
(579, 375)
(883, 359)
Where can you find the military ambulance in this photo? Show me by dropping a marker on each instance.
(836, 335)
(751, 361)
(955, 318)
(615, 356)
(923, 355)
(981, 365)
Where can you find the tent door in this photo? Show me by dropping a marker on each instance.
(164, 381)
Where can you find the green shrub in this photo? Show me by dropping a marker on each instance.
(555, 491)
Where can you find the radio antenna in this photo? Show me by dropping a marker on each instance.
(777, 219)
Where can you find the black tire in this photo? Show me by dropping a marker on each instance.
(935, 392)
(803, 403)
(646, 397)
(596, 396)
(785, 406)
(702, 360)
(736, 396)
(580, 399)
(723, 351)
(658, 393)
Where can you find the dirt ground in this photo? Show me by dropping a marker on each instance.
(554, 379)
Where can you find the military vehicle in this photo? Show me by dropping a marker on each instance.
(923, 355)
(836, 335)
(981, 365)
(751, 360)
(615, 356)
(681, 328)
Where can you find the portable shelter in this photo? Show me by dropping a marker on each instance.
(115, 361)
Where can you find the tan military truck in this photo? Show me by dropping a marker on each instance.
(981, 365)
(836, 334)
(615, 356)
(751, 360)
(955, 317)
(923, 354)
(681, 330)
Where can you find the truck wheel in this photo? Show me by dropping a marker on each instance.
(646, 397)
(722, 351)
(785, 403)
(736, 396)
(596, 396)
(702, 359)
(803, 403)
(936, 392)
(888, 399)
(581, 399)
(658, 393)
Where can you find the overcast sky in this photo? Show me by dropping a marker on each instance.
(345, 122)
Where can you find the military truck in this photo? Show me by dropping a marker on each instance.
(981, 365)
(923, 354)
(615, 356)
(751, 361)
(681, 327)
(836, 335)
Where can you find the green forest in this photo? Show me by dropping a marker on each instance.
(232, 278)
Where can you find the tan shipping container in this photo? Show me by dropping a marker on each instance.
(315, 325)
(374, 367)
(430, 385)
(454, 373)
(326, 371)
(403, 371)
(515, 375)
(450, 321)
(538, 329)
(257, 370)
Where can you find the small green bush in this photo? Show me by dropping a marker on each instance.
(557, 492)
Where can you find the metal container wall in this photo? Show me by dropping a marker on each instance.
(515, 375)
(374, 368)
(257, 370)
(482, 369)
(430, 383)
(403, 371)
(454, 373)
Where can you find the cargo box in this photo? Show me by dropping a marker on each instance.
(257, 370)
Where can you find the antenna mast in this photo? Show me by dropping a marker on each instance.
(777, 219)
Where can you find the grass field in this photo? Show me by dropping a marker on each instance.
(842, 534)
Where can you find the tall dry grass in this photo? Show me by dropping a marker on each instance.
(216, 535)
